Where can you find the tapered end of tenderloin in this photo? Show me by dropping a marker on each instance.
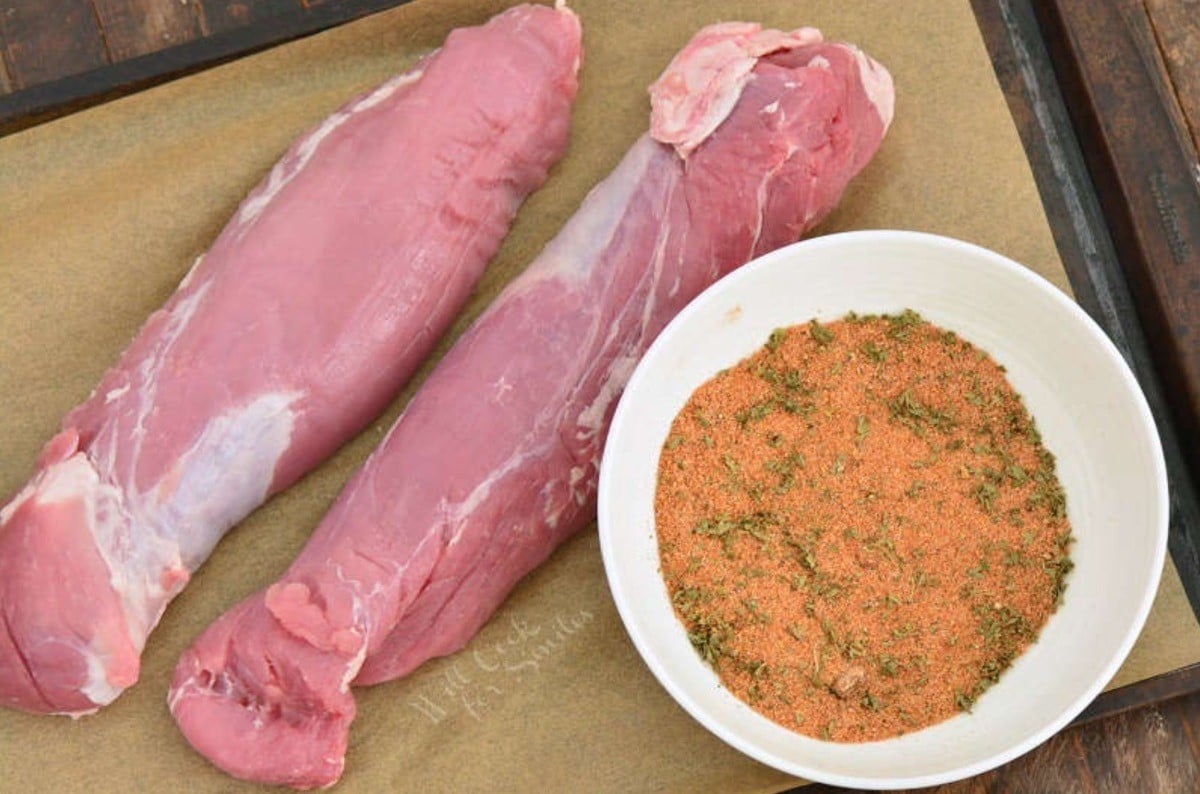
(257, 708)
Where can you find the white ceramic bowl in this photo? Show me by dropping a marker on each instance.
(1091, 414)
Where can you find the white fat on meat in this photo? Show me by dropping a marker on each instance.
(877, 82)
(235, 456)
(97, 686)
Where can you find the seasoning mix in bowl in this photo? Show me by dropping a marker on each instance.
(883, 509)
(859, 526)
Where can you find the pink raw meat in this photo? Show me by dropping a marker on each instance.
(315, 304)
(494, 462)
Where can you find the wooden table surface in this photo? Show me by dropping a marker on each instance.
(1153, 747)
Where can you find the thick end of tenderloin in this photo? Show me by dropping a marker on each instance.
(261, 703)
(65, 644)
(703, 83)
(807, 119)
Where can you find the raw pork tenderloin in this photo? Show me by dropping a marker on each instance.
(754, 136)
(318, 300)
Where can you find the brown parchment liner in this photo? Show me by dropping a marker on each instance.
(102, 212)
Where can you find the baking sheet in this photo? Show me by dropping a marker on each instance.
(101, 213)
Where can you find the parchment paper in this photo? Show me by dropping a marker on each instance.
(102, 212)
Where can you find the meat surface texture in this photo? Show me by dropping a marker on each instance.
(495, 461)
(317, 301)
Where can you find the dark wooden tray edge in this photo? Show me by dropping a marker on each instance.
(1145, 190)
(1176, 683)
(1017, 44)
(1019, 52)
(40, 103)
(1141, 158)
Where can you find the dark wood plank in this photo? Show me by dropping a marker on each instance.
(1143, 165)
(1176, 25)
(5, 84)
(1172, 753)
(1187, 709)
(40, 103)
(40, 45)
(136, 27)
(217, 16)
(1112, 760)
(1058, 766)
(1140, 751)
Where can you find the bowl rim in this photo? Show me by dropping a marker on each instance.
(1159, 522)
